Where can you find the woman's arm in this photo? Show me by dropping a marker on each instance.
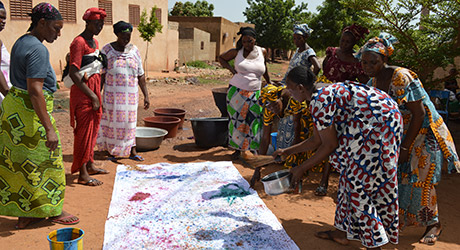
(80, 83)
(226, 57)
(265, 139)
(3, 84)
(418, 115)
(35, 89)
(316, 67)
(309, 144)
(143, 86)
(266, 75)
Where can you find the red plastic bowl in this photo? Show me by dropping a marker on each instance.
(169, 123)
(175, 112)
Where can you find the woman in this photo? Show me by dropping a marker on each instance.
(340, 65)
(304, 54)
(85, 96)
(360, 127)
(5, 84)
(244, 91)
(32, 174)
(426, 138)
(117, 133)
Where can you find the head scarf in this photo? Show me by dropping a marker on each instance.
(383, 44)
(1, 5)
(247, 31)
(302, 29)
(359, 32)
(122, 26)
(45, 11)
(94, 14)
(270, 93)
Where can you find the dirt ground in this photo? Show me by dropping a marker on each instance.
(300, 214)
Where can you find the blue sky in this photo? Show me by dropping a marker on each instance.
(233, 9)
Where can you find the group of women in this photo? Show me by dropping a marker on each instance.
(32, 174)
(372, 122)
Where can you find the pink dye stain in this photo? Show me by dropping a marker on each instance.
(139, 196)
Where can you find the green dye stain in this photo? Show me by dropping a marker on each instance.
(231, 191)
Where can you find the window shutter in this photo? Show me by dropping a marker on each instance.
(158, 14)
(107, 5)
(68, 10)
(20, 9)
(134, 14)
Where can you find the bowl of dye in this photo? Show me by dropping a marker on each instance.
(149, 138)
(277, 182)
(168, 123)
(210, 131)
(174, 112)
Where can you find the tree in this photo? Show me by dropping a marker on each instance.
(274, 21)
(200, 8)
(148, 27)
(424, 43)
(327, 30)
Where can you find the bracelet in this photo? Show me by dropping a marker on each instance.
(405, 149)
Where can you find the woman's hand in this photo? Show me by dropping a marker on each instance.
(297, 174)
(280, 154)
(146, 102)
(52, 140)
(95, 102)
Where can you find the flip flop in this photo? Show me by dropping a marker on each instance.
(64, 222)
(112, 159)
(136, 158)
(100, 171)
(328, 236)
(90, 183)
(431, 237)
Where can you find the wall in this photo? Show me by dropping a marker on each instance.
(162, 52)
(190, 40)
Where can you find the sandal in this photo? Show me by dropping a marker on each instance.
(92, 183)
(136, 158)
(430, 239)
(63, 220)
(321, 191)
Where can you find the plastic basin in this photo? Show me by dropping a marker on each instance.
(220, 99)
(168, 123)
(210, 131)
(175, 112)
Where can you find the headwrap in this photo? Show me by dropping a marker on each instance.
(302, 29)
(94, 14)
(1, 5)
(383, 44)
(270, 93)
(122, 26)
(357, 31)
(45, 11)
(247, 31)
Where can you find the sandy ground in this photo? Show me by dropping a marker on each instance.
(300, 214)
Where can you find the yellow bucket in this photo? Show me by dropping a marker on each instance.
(66, 239)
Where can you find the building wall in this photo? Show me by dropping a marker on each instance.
(190, 45)
(162, 52)
(223, 32)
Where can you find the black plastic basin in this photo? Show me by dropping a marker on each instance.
(220, 99)
(210, 131)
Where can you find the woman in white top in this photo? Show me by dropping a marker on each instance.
(243, 94)
(5, 58)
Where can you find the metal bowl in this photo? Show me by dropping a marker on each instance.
(148, 138)
(277, 182)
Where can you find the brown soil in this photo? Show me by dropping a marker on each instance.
(301, 214)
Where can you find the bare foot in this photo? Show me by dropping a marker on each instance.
(336, 235)
(431, 234)
(92, 170)
(85, 179)
(23, 222)
(65, 219)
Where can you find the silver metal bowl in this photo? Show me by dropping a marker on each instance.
(148, 138)
(277, 182)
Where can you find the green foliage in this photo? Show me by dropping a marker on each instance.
(274, 21)
(328, 24)
(420, 49)
(200, 8)
(149, 26)
(199, 64)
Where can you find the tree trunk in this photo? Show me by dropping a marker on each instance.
(145, 61)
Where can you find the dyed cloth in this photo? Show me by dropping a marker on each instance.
(418, 177)
(302, 29)
(5, 67)
(205, 205)
(369, 131)
(32, 180)
(337, 70)
(117, 133)
(299, 59)
(245, 119)
(83, 118)
(383, 44)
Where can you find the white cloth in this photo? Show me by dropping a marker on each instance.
(249, 71)
(5, 66)
(90, 69)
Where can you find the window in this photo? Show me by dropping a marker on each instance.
(158, 14)
(134, 14)
(107, 5)
(19, 9)
(67, 9)
(202, 45)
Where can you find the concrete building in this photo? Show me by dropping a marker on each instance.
(195, 44)
(162, 52)
(223, 32)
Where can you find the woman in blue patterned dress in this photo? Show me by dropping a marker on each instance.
(360, 128)
(426, 138)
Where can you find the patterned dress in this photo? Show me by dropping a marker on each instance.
(337, 70)
(117, 133)
(369, 131)
(418, 177)
(299, 59)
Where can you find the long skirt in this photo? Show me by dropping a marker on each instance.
(32, 179)
(245, 115)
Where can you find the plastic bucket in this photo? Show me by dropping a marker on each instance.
(274, 135)
(67, 238)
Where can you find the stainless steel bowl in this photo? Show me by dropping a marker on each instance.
(277, 182)
(148, 138)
